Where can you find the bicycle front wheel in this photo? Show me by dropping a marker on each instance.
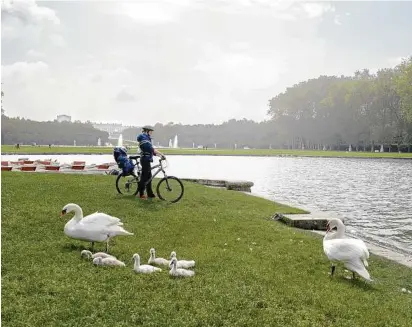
(170, 189)
(128, 185)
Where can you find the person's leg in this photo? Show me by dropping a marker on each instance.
(145, 176)
(149, 190)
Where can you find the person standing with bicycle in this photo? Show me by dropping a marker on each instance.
(146, 157)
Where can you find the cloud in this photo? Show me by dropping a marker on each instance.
(394, 61)
(337, 20)
(28, 11)
(20, 71)
(315, 10)
(184, 61)
(35, 54)
(125, 96)
(36, 91)
(28, 25)
(151, 13)
(171, 11)
(237, 70)
(26, 15)
(57, 40)
(27, 86)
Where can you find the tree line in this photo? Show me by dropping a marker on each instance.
(365, 112)
(25, 131)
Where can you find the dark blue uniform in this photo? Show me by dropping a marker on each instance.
(146, 157)
(146, 147)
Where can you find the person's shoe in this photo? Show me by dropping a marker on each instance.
(143, 197)
(152, 196)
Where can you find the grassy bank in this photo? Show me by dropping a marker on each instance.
(228, 152)
(250, 270)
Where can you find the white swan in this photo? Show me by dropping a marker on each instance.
(352, 252)
(182, 263)
(108, 262)
(97, 227)
(179, 272)
(156, 261)
(90, 255)
(143, 269)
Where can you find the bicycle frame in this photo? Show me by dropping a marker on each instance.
(159, 166)
(161, 169)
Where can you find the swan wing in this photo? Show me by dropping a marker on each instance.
(100, 219)
(345, 249)
(361, 244)
(357, 266)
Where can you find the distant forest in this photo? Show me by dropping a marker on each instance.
(25, 131)
(364, 111)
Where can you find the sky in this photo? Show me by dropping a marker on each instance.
(185, 61)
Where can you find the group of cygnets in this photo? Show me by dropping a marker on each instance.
(178, 268)
(101, 227)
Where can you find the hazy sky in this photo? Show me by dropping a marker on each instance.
(142, 62)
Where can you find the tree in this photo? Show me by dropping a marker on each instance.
(336, 112)
(2, 110)
(404, 87)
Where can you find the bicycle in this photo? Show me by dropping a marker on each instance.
(133, 178)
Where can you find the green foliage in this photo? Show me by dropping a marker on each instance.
(241, 132)
(404, 87)
(250, 270)
(362, 110)
(16, 130)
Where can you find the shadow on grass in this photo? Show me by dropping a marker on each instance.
(98, 247)
(148, 204)
(70, 247)
(357, 282)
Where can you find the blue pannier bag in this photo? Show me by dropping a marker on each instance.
(120, 156)
(127, 167)
(122, 160)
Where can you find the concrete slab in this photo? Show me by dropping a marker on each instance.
(311, 221)
(235, 185)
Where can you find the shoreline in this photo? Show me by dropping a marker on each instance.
(375, 249)
(386, 252)
(209, 154)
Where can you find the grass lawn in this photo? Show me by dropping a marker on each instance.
(250, 270)
(228, 152)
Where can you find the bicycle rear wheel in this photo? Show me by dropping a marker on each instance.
(170, 189)
(128, 185)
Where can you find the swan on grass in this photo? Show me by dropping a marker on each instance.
(179, 272)
(91, 255)
(143, 269)
(109, 261)
(352, 252)
(157, 261)
(97, 227)
(182, 263)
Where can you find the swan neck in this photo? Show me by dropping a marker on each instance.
(78, 213)
(340, 232)
(136, 262)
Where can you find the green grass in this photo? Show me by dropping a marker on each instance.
(250, 270)
(227, 152)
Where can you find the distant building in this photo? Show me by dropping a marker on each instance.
(114, 130)
(61, 118)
